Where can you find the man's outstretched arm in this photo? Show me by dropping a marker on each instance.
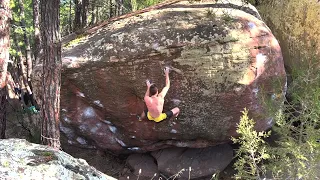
(148, 89)
(166, 88)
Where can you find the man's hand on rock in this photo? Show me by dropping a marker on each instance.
(166, 70)
(148, 83)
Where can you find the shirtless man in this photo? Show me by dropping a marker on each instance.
(155, 101)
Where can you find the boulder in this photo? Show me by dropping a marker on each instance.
(142, 166)
(20, 159)
(190, 163)
(298, 33)
(223, 59)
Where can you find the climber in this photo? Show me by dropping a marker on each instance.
(155, 101)
(27, 97)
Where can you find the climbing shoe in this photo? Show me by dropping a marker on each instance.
(33, 109)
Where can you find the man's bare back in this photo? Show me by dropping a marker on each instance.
(155, 105)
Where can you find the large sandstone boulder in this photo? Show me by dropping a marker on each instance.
(181, 163)
(223, 59)
(20, 159)
(295, 24)
(190, 163)
(142, 166)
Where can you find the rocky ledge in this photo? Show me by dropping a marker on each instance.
(20, 159)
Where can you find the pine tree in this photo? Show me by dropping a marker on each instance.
(5, 15)
(51, 79)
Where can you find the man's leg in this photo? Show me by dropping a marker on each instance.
(143, 115)
(175, 111)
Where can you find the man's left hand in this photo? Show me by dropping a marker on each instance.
(148, 83)
(166, 70)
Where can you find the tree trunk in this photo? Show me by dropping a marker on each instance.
(84, 13)
(120, 7)
(111, 13)
(37, 70)
(97, 13)
(115, 8)
(77, 15)
(3, 113)
(5, 15)
(51, 79)
(36, 26)
(70, 17)
(26, 40)
(93, 5)
(134, 6)
(22, 70)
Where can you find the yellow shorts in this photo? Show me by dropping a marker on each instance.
(162, 116)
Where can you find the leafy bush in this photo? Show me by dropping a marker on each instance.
(252, 150)
(296, 152)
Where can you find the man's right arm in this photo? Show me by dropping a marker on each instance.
(166, 88)
(146, 96)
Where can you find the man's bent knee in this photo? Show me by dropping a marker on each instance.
(175, 111)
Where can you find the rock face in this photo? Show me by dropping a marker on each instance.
(181, 163)
(193, 163)
(298, 33)
(20, 159)
(223, 59)
(141, 165)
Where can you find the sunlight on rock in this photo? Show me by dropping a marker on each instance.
(98, 103)
(173, 131)
(113, 129)
(120, 142)
(89, 112)
(81, 140)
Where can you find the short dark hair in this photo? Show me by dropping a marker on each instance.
(153, 90)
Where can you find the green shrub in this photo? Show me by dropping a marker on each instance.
(252, 149)
(297, 153)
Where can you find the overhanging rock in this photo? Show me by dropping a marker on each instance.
(224, 59)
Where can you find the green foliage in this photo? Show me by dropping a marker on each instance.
(134, 5)
(65, 15)
(47, 153)
(297, 153)
(44, 155)
(215, 176)
(146, 3)
(77, 40)
(249, 1)
(227, 17)
(17, 30)
(252, 150)
(211, 13)
(5, 164)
